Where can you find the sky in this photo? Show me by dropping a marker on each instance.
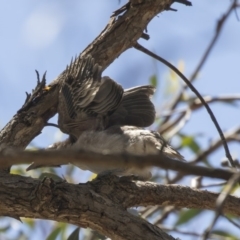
(45, 35)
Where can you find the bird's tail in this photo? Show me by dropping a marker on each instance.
(136, 109)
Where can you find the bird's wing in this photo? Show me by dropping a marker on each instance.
(108, 97)
(80, 85)
(162, 145)
(143, 142)
(85, 95)
(135, 108)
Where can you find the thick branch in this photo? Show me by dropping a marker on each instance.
(101, 204)
(132, 194)
(108, 162)
(80, 205)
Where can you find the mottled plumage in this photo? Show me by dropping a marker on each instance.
(119, 140)
(89, 102)
(125, 139)
(86, 99)
(100, 117)
(135, 109)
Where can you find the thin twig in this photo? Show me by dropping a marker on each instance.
(176, 125)
(149, 211)
(173, 127)
(230, 135)
(52, 125)
(227, 152)
(213, 185)
(220, 202)
(165, 213)
(173, 229)
(231, 221)
(206, 54)
(196, 104)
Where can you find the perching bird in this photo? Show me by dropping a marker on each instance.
(100, 117)
(89, 102)
(128, 140)
(120, 140)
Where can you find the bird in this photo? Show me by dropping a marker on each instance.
(99, 116)
(125, 140)
(120, 140)
(88, 101)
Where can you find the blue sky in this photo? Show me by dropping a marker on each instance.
(45, 35)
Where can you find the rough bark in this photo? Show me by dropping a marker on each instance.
(79, 204)
(108, 162)
(101, 204)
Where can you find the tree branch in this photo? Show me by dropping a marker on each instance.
(193, 89)
(80, 205)
(101, 204)
(230, 135)
(60, 157)
(221, 201)
(172, 127)
(206, 54)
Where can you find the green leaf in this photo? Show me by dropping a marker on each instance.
(4, 229)
(53, 235)
(187, 215)
(153, 81)
(74, 235)
(189, 141)
(30, 222)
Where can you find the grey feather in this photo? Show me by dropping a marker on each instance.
(135, 109)
(124, 139)
(85, 99)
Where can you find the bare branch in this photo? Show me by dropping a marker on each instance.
(233, 222)
(61, 201)
(176, 125)
(221, 201)
(212, 116)
(81, 205)
(194, 234)
(109, 162)
(206, 54)
(230, 135)
(209, 99)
